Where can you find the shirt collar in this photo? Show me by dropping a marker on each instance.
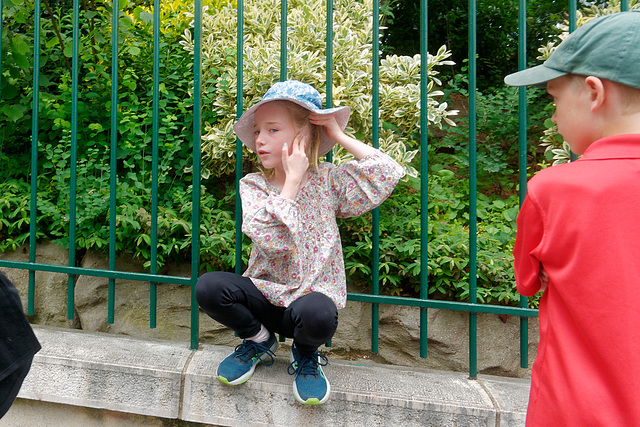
(614, 147)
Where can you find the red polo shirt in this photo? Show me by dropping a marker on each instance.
(581, 221)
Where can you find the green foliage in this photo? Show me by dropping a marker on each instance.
(352, 84)
(497, 136)
(448, 207)
(133, 134)
(400, 248)
(448, 249)
(496, 32)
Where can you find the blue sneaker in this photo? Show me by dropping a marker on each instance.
(238, 367)
(310, 386)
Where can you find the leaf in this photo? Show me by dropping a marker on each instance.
(68, 49)
(19, 45)
(146, 17)
(13, 112)
(51, 42)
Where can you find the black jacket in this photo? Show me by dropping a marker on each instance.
(18, 344)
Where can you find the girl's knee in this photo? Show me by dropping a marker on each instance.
(319, 314)
(206, 288)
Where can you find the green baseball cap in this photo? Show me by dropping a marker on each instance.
(607, 47)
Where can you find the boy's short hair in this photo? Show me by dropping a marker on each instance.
(607, 47)
(631, 100)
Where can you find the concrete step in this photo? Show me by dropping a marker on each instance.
(167, 380)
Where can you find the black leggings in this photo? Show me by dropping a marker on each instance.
(234, 301)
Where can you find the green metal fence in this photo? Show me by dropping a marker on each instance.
(423, 303)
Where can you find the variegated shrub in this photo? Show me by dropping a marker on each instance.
(306, 47)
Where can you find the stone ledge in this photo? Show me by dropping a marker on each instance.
(165, 379)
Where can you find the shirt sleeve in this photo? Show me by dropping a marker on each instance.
(361, 185)
(271, 222)
(529, 238)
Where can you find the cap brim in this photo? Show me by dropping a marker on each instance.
(535, 76)
(245, 132)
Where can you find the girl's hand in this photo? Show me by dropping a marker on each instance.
(331, 128)
(295, 165)
(329, 125)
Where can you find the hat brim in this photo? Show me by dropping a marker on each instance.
(535, 76)
(244, 127)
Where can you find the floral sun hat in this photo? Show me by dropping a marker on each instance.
(299, 93)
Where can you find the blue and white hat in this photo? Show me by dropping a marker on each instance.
(299, 93)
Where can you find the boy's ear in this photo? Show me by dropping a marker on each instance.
(597, 92)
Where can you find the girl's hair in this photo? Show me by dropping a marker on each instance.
(300, 118)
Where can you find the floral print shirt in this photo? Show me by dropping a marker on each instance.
(296, 243)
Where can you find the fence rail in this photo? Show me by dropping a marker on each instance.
(375, 299)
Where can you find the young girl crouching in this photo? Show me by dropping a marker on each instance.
(295, 280)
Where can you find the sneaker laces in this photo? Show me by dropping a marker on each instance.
(307, 364)
(248, 349)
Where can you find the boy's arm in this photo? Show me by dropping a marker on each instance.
(530, 275)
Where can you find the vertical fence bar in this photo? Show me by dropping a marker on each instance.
(473, 261)
(624, 5)
(522, 159)
(1, 6)
(34, 156)
(375, 137)
(113, 181)
(283, 40)
(424, 173)
(197, 137)
(74, 155)
(329, 58)
(573, 7)
(239, 98)
(329, 75)
(329, 65)
(153, 288)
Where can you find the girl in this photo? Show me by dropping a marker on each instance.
(295, 281)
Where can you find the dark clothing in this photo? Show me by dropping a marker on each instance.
(234, 301)
(18, 344)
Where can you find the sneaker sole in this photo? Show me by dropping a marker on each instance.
(313, 400)
(247, 376)
(240, 380)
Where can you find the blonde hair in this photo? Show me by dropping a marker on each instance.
(300, 118)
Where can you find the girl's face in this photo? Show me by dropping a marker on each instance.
(273, 127)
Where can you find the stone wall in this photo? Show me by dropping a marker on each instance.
(448, 331)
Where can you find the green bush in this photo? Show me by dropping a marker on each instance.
(448, 250)
(400, 133)
(133, 134)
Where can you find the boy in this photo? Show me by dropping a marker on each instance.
(578, 237)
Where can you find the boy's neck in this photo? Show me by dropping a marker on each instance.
(625, 124)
